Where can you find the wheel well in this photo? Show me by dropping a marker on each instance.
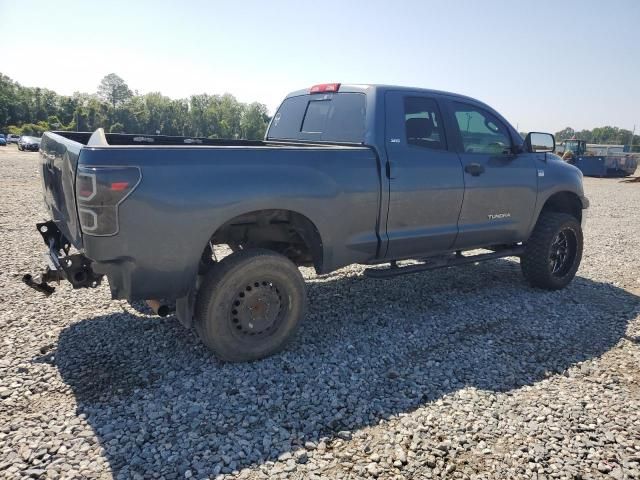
(287, 232)
(564, 202)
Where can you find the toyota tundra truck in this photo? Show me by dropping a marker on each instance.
(401, 179)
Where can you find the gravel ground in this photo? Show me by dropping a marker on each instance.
(460, 373)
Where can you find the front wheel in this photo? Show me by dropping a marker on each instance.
(249, 305)
(553, 252)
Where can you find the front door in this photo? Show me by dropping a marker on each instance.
(426, 184)
(500, 185)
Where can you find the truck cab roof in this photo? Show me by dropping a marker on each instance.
(382, 88)
(354, 115)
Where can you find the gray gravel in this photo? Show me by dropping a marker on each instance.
(461, 373)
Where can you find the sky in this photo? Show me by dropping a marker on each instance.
(544, 65)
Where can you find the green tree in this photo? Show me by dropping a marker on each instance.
(37, 105)
(604, 134)
(66, 109)
(133, 114)
(585, 135)
(565, 133)
(116, 128)
(199, 121)
(8, 100)
(116, 108)
(54, 122)
(34, 129)
(254, 121)
(229, 112)
(114, 90)
(159, 114)
(97, 114)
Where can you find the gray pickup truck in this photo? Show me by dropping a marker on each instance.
(346, 174)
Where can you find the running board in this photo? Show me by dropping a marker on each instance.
(441, 262)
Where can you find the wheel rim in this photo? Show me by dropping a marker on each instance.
(562, 253)
(257, 310)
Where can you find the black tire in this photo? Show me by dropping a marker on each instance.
(234, 289)
(553, 252)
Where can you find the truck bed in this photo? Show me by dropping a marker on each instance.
(188, 190)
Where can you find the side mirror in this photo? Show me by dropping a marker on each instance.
(536, 142)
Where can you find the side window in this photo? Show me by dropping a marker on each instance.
(481, 131)
(423, 123)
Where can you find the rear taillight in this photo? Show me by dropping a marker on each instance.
(99, 192)
(325, 88)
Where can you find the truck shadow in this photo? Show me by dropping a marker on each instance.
(367, 350)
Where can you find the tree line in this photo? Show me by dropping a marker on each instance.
(606, 135)
(114, 107)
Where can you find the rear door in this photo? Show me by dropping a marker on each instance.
(425, 177)
(500, 185)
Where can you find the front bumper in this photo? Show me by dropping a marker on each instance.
(75, 268)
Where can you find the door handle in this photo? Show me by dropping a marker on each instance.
(474, 169)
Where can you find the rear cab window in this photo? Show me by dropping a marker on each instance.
(336, 117)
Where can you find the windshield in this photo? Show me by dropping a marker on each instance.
(338, 117)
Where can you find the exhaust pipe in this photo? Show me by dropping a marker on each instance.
(158, 308)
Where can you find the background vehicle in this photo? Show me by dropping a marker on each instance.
(346, 174)
(11, 138)
(601, 160)
(28, 143)
(3, 140)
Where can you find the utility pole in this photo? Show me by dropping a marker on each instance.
(633, 132)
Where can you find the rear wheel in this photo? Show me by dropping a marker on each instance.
(553, 252)
(249, 305)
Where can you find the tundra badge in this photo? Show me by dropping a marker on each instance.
(496, 216)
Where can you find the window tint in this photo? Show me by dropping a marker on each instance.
(423, 123)
(336, 117)
(481, 131)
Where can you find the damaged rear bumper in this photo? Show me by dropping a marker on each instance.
(75, 268)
